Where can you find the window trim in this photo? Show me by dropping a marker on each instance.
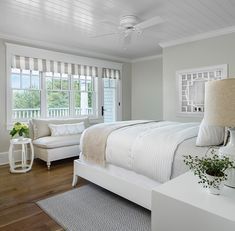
(14, 49)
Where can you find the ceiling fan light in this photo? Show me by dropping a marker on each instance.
(128, 21)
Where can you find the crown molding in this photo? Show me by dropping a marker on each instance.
(146, 58)
(62, 48)
(211, 34)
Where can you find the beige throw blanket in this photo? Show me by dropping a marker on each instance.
(93, 140)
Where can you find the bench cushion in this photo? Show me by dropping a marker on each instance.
(57, 141)
(41, 128)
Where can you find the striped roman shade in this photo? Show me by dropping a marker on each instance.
(111, 73)
(28, 63)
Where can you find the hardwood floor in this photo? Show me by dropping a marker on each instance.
(19, 192)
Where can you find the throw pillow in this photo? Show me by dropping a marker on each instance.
(210, 135)
(66, 129)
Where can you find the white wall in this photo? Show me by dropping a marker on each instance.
(208, 52)
(126, 91)
(4, 134)
(147, 89)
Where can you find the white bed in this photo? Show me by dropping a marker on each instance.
(139, 156)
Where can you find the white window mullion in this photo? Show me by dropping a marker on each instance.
(71, 97)
(119, 100)
(94, 97)
(20, 79)
(99, 93)
(43, 95)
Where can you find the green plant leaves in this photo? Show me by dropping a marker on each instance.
(20, 128)
(205, 167)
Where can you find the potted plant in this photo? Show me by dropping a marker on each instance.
(20, 129)
(211, 170)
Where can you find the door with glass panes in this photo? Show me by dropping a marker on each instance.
(111, 101)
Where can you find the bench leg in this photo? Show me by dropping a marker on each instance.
(48, 165)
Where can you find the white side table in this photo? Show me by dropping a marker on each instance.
(23, 166)
(182, 204)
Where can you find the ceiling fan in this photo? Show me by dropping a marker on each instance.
(129, 25)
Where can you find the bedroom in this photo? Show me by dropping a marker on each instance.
(110, 67)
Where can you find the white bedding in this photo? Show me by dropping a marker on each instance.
(148, 149)
(154, 149)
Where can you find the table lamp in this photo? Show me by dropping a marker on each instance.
(220, 111)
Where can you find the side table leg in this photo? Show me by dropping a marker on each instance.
(11, 159)
(32, 156)
(23, 156)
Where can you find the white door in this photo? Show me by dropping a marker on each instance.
(111, 102)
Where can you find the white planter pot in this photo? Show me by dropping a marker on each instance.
(215, 190)
(20, 138)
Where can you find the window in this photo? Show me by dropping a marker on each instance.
(65, 95)
(84, 95)
(57, 94)
(26, 94)
(110, 99)
(111, 94)
(47, 84)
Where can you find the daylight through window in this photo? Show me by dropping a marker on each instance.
(47, 94)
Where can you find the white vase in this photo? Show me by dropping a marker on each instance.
(20, 138)
(219, 186)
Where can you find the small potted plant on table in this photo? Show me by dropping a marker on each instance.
(210, 170)
(20, 129)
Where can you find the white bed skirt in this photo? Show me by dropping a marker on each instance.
(125, 183)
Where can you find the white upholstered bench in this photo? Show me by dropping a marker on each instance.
(50, 148)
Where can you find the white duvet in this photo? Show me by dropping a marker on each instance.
(148, 149)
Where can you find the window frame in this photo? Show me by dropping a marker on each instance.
(27, 89)
(14, 49)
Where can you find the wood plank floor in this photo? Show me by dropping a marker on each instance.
(19, 192)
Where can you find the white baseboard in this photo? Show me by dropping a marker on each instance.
(4, 157)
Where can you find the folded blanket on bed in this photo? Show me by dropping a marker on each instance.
(93, 140)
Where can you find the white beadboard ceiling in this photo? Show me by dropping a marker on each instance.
(71, 23)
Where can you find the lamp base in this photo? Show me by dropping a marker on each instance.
(229, 151)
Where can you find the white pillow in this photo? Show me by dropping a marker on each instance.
(210, 135)
(66, 129)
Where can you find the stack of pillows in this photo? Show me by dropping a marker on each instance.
(210, 135)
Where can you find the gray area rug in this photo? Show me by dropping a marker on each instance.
(90, 208)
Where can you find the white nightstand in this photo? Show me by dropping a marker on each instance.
(24, 166)
(183, 205)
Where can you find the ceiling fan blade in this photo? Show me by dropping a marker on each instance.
(103, 35)
(149, 23)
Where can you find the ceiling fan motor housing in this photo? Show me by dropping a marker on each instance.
(128, 22)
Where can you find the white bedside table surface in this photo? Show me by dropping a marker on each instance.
(186, 189)
(23, 141)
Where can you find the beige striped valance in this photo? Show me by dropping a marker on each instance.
(27, 63)
(111, 73)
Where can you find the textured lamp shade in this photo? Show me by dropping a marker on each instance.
(220, 102)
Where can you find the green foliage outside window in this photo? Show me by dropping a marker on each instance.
(26, 99)
(57, 95)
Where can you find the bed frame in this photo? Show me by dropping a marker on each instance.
(120, 185)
